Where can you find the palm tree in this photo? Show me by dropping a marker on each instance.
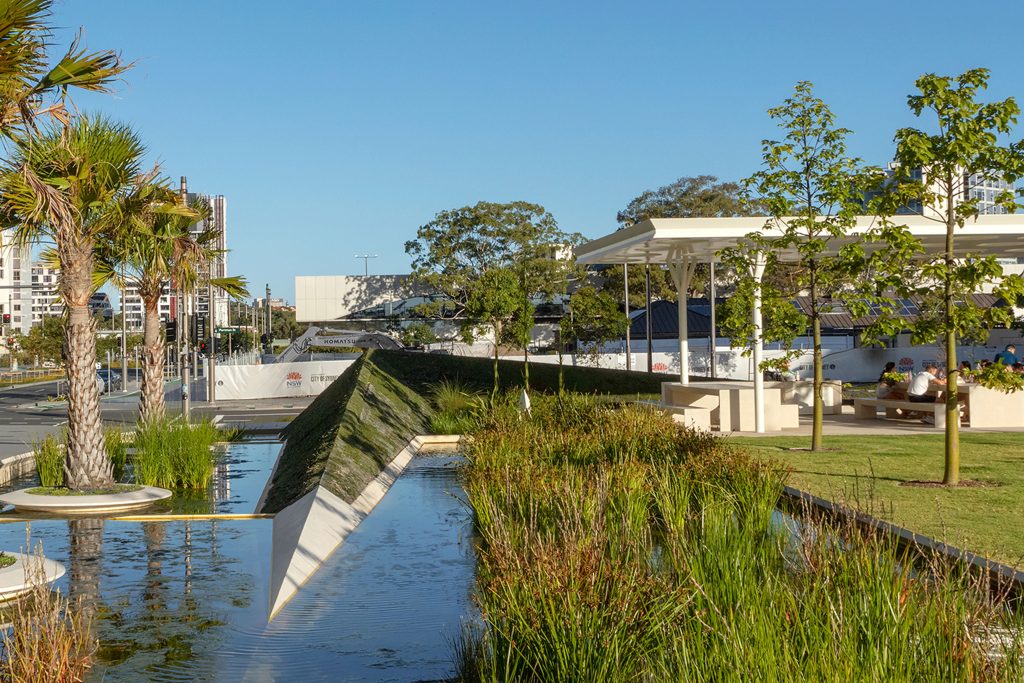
(29, 88)
(161, 246)
(68, 185)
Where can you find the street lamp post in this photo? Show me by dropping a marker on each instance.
(366, 262)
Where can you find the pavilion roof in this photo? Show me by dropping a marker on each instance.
(663, 240)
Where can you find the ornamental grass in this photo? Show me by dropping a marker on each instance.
(616, 545)
(175, 454)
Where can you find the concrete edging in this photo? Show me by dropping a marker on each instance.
(16, 580)
(85, 504)
(1003, 579)
(14, 466)
(309, 530)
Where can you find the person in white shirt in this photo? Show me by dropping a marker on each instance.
(917, 392)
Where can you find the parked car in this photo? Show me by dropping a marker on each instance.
(101, 383)
(112, 378)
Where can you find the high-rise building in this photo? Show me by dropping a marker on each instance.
(15, 286)
(134, 313)
(972, 186)
(217, 268)
(45, 302)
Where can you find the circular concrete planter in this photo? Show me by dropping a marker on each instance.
(86, 504)
(14, 580)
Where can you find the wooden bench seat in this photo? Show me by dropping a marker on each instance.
(867, 409)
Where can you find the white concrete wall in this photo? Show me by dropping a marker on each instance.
(850, 365)
(320, 298)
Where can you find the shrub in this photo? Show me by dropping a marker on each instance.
(49, 460)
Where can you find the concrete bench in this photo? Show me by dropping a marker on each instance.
(697, 418)
(867, 409)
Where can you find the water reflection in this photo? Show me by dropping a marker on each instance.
(186, 600)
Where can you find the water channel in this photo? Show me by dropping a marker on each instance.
(184, 600)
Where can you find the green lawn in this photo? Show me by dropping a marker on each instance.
(866, 472)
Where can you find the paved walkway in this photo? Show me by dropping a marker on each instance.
(847, 424)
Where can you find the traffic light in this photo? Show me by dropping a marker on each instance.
(204, 348)
(7, 318)
(171, 330)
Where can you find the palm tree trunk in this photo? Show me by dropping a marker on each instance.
(151, 403)
(85, 554)
(86, 464)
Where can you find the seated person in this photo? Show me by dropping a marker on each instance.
(965, 371)
(1007, 356)
(917, 392)
(887, 384)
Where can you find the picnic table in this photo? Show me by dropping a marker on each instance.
(983, 407)
(729, 406)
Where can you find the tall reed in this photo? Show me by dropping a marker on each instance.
(617, 546)
(117, 449)
(48, 454)
(50, 638)
(175, 454)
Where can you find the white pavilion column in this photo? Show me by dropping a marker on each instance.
(757, 273)
(681, 267)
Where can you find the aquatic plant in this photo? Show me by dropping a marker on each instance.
(117, 449)
(616, 545)
(175, 454)
(50, 638)
(48, 454)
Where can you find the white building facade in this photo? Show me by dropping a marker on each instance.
(15, 286)
(168, 306)
(45, 300)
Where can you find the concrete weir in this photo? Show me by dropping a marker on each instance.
(340, 456)
(306, 532)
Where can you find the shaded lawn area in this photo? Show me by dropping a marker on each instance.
(865, 472)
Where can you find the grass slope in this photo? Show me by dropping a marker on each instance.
(866, 472)
(359, 423)
(424, 370)
(347, 435)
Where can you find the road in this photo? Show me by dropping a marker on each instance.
(21, 426)
(22, 421)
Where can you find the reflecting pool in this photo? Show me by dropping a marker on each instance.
(187, 600)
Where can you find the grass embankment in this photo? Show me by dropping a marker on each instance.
(349, 433)
(617, 546)
(867, 472)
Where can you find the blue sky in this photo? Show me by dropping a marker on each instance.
(339, 127)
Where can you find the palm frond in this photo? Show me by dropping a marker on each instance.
(235, 286)
(78, 68)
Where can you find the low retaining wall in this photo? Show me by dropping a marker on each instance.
(1003, 579)
(14, 466)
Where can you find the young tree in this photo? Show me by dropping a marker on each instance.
(594, 318)
(459, 249)
(65, 185)
(932, 175)
(812, 192)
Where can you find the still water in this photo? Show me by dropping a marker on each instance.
(187, 601)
